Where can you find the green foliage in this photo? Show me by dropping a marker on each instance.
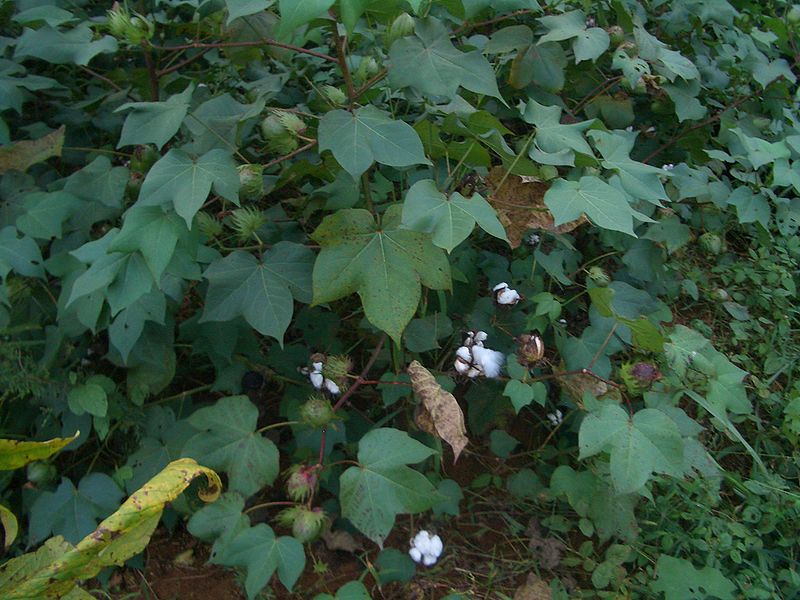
(194, 195)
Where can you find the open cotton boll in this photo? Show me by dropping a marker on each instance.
(480, 337)
(490, 361)
(504, 295)
(436, 546)
(316, 379)
(331, 386)
(429, 560)
(422, 541)
(415, 554)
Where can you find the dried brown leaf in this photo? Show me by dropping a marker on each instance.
(19, 156)
(519, 202)
(442, 408)
(534, 589)
(341, 540)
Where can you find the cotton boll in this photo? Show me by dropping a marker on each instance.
(500, 286)
(415, 554)
(422, 542)
(473, 372)
(436, 546)
(429, 560)
(317, 367)
(331, 386)
(507, 296)
(490, 361)
(316, 379)
(464, 354)
(480, 337)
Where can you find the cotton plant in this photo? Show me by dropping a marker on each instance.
(473, 359)
(426, 548)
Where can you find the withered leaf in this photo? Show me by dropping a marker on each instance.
(519, 202)
(19, 156)
(441, 407)
(533, 589)
(341, 540)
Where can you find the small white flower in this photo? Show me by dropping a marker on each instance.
(562, 321)
(555, 418)
(505, 295)
(426, 548)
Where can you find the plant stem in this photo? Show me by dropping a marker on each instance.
(292, 154)
(152, 73)
(367, 191)
(267, 505)
(276, 425)
(341, 47)
(263, 42)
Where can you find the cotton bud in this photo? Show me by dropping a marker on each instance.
(599, 276)
(247, 221)
(530, 349)
(301, 482)
(638, 377)
(317, 411)
(555, 418)
(720, 294)
(208, 225)
(333, 95)
(402, 26)
(337, 367)
(251, 182)
(126, 28)
(504, 295)
(290, 121)
(711, 242)
(271, 127)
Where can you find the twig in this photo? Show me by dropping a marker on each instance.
(267, 42)
(371, 82)
(180, 65)
(100, 77)
(152, 73)
(511, 15)
(292, 154)
(341, 47)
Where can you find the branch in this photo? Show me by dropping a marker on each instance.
(511, 15)
(341, 46)
(264, 42)
(292, 154)
(152, 73)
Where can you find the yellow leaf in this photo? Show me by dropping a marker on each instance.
(10, 526)
(21, 155)
(121, 536)
(15, 454)
(441, 407)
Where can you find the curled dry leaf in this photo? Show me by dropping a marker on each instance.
(519, 203)
(21, 155)
(441, 407)
(533, 589)
(341, 540)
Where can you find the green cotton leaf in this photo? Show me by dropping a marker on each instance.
(638, 179)
(75, 46)
(154, 122)
(99, 182)
(245, 8)
(603, 204)
(450, 221)
(180, 181)
(431, 64)
(295, 13)
(678, 579)
(669, 63)
(152, 232)
(509, 39)
(259, 291)
(50, 14)
(220, 122)
(19, 254)
(542, 65)
(73, 513)
(219, 518)
(98, 276)
(684, 95)
(131, 282)
(750, 207)
(650, 442)
(127, 327)
(228, 441)
(382, 486)
(562, 27)
(366, 135)
(351, 11)
(553, 137)
(45, 213)
(88, 398)
(385, 264)
(260, 553)
(590, 44)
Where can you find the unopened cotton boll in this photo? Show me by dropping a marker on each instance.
(490, 361)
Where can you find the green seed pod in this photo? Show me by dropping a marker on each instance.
(617, 35)
(41, 473)
(711, 242)
(317, 411)
(208, 225)
(308, 524)
(126, 28)
(793, 16)
(333, 95)
(402, 26)
(283, 144)
(251, 182)
(271, 127)
(599, 276)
